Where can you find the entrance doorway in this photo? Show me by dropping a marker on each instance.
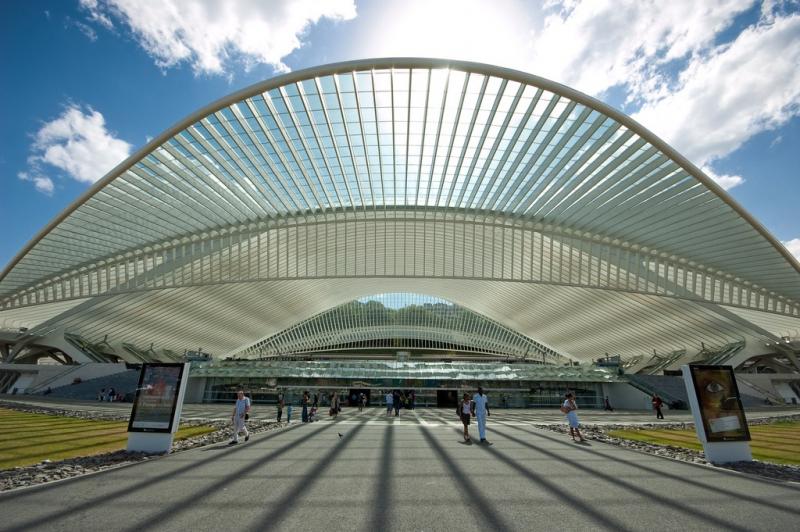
(356, 392)
(447, 398)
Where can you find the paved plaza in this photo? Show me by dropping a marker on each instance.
(424, 416)
(367, 472)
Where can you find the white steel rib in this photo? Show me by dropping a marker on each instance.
(389, 173)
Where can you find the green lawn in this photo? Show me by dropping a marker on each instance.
(777, 442)
(27, 439)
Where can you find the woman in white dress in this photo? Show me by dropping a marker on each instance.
(570, 409)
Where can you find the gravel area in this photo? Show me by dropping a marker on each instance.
(756, 467)
(48, 471)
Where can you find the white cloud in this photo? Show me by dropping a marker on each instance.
(793, 246)
(594, 45)
(209, 34)
(76, 142)
(497, 32)
(735, 91)
(42, 183)
(726, 181)
(704, 96)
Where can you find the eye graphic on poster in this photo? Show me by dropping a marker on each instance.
(156, 398)
(720, 406)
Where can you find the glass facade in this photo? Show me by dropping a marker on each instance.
(515, 385)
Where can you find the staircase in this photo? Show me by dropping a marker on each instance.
(671, 389)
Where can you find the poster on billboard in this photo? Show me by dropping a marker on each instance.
(157, 398)
(719, 404)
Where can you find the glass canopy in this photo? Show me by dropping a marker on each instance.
(401, 321)
(537, 206)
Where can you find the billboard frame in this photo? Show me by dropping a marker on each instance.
(697, 369)
(183, 374)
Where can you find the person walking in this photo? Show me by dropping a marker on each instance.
(315, 404)
(657, 404)
(570, 408)
(389, 403)
(240, 410)
(304, 403)
(480, 409)
(334, 405)
(396, 403)
(464, 410)
(608, 405)
(280, 407)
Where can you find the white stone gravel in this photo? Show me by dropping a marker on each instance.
(756, 467)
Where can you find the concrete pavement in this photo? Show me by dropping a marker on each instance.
(411, 473)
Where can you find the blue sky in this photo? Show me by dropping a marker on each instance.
(87, 82)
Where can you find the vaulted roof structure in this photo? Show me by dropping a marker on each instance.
(518, 198)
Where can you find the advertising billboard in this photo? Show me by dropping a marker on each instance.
(719, 403)
(157, 398)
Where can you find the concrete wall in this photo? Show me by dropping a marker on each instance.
(623, 396)
(34, 375)
(88, 371)
(31, 374)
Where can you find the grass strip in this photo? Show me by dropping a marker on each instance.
(37, 437)
(778, 443)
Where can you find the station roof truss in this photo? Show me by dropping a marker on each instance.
(392, 322)
(508, 194)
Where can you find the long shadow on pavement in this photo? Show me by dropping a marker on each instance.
(281, 508)
(600, 518)
(381, 505)
(112, 495)
(636, 489)
(178, 507)
(678, 478)
(492, 520)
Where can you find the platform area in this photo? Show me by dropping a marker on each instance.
(365, 471)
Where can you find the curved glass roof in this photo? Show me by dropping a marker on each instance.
(401, 321)
(395, 170)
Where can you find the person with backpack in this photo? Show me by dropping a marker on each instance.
(464, 411)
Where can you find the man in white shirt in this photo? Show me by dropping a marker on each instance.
(389, 403)
(481, 410)
(241, 409)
